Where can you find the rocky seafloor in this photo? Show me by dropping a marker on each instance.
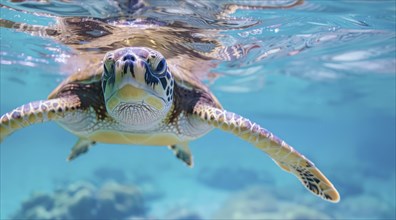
(111, 194)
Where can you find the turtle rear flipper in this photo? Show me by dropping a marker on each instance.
(284, 155)
(81, 147)
(36, 112)
(183, 153)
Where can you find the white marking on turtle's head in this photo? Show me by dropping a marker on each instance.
(137, 86)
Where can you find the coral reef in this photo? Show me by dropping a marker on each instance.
(104, 174)
(121, 200)
(364, 206)
(182, 213)
(258, 202)
(146, 185)
(85, 201)
(232, 178)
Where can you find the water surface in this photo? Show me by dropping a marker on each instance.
(319, 74)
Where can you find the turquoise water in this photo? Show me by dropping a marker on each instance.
(320, 75)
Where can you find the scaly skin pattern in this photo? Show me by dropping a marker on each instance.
(283, 154)
(35, 112)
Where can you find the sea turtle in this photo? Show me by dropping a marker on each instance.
(134, 97)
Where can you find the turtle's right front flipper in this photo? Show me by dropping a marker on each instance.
(283, 154)
(36, 112)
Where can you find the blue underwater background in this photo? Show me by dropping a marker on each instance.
(320, 75)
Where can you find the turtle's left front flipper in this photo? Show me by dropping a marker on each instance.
(36, 112)
(284, 155)
(37, 30)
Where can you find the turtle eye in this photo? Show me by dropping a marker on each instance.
(109, 60)
(108, 64)
(157, 63)
(161, 67)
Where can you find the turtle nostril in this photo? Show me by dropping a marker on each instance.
(128, 65)
(129, 57)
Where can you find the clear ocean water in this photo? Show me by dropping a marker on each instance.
(319, 74)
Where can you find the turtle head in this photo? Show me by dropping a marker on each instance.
(137, 86)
